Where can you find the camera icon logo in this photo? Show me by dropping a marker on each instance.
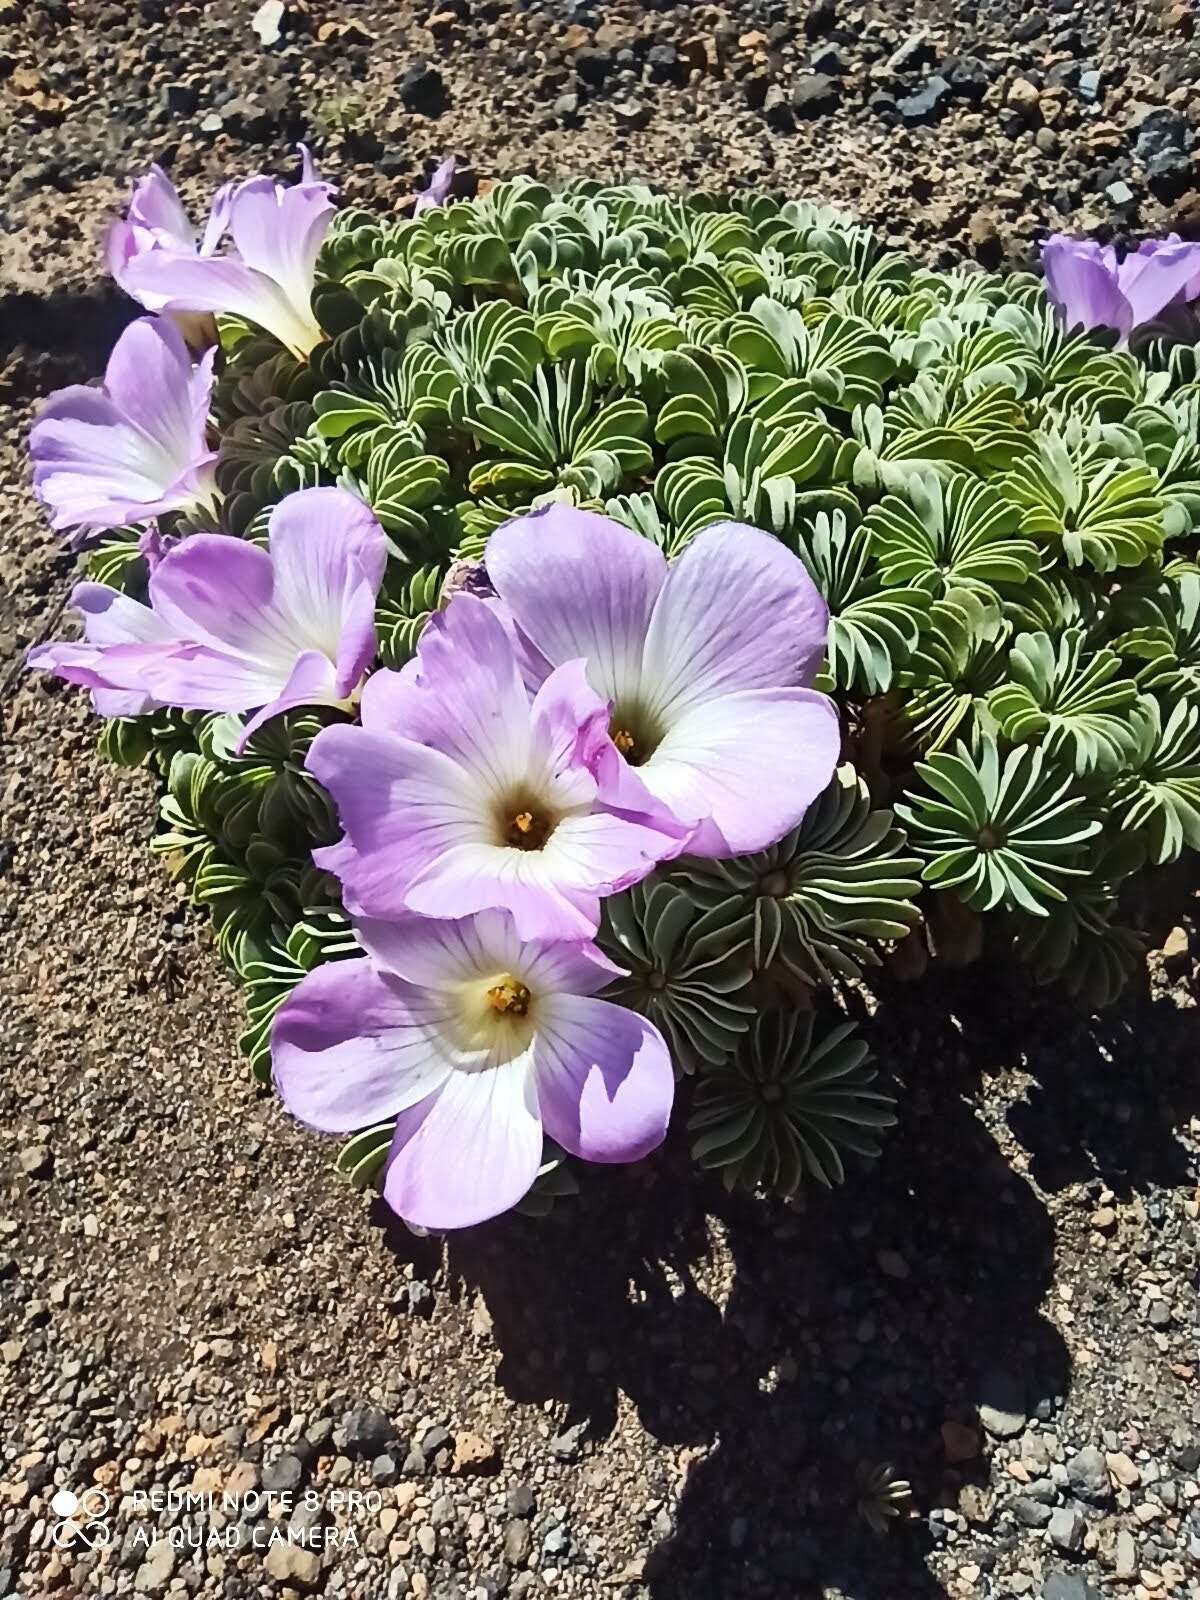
(81, 1519)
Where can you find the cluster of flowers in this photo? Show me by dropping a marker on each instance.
(550, 744)
(582, 713)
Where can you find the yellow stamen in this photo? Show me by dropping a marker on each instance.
(623, 740)
(509, 996)
(528, 830)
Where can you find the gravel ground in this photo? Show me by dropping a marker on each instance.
(657, 1392)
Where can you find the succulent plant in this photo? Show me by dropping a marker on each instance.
(883, 1496)
(1002, 517)
(821, 900)
(789, 1104)
(689, 969)
(999, 830)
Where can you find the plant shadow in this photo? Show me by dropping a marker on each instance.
(795, 1346)
(61, 337)
(780, 1350)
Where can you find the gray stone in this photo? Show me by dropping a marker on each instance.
(814, 93)
(1002, 1403)
(631, 115)
(1029, 1512)
(922, 105)
(435, 1439)
(283, 1474)
(365, 1431)
(268, 21)
(1126, 1556)
(565, 1445)
(1089, 86)
(36, 1162)
(517, 1542)
(913, 53)
(1087, 1473)
(777, 113)
(443, 1512)
(557, 1542)
(1068, 1586)
(1066, 1529)
(829, 60)
(520, 1501)
(385, 1469)
(423, 89)
(1120, 193)
(157, 1570)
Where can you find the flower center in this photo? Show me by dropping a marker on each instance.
(509, 997)
(636, 734)
(524, 822)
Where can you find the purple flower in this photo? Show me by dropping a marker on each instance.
(152, 547)
(134, 447)
(268, 277)
(477, 1044)
(1092, 289)
(701, 663)
(457, 795)
(231, 627)
(439, 187)
(156, 220)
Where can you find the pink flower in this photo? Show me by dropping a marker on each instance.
(478, 1044)
(1092, 289)
(135, 446)
(268, 276)
(703, 663)
(234, 628)
(457, 794)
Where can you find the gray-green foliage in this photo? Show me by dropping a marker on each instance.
(1003, 519)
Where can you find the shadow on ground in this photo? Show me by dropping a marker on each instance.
(60, 337)
(840, 1333)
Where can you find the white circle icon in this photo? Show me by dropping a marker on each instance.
(65, 1503)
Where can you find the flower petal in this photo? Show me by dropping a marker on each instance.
(438, 953)
(471, 877)
(738, 611)
(150, 379)
(605, 1083)
(1083, 285)
(439, 187)
(351, 1046)
(96, 466)
(469, 1152)
(1155, 275)
(195, 677)
(219, 592)
(187, 282)
(277, 231)
(110, 617)
(155, 205)
(746, 767)
(401, 805)
(435, 952)
(579, 586)
(217, 225)
(328, 554)
(467, 697)
(310, 683)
